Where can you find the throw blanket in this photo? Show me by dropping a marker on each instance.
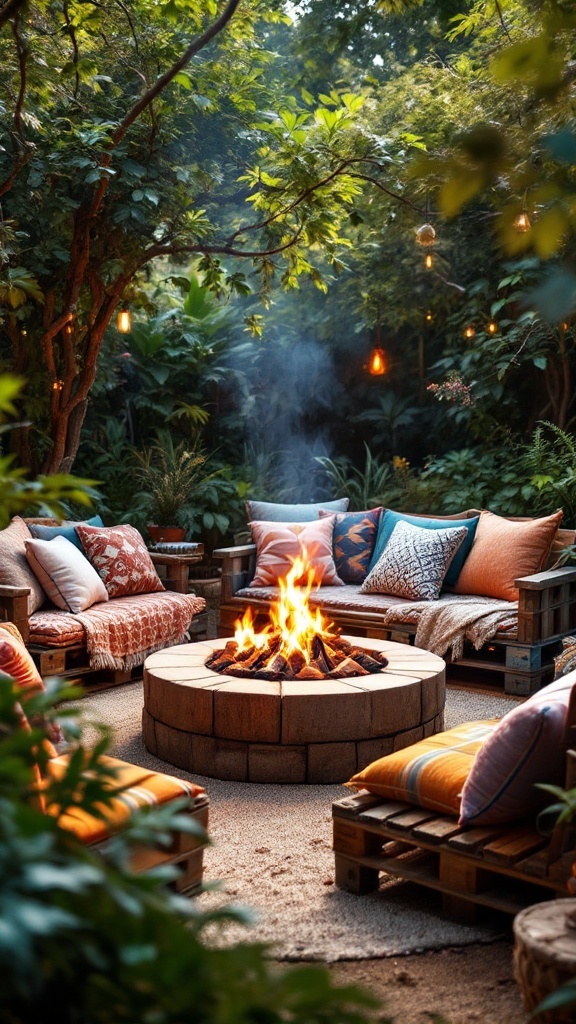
(121, 633)
(452, 620)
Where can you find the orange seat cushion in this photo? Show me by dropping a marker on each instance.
(146, 788)
(430, 773)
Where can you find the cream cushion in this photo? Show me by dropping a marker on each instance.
(66, 575)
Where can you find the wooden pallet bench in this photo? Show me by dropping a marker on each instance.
(502, 868)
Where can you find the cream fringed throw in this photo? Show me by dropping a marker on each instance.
(122, 632)
(447, 623)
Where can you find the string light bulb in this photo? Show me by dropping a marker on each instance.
(492, 327)
(377, 362)
(124, 321)
(428, 261)
(429, 318)
(521, 222)
(469, 331)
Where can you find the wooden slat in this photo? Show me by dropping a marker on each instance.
(437, 830)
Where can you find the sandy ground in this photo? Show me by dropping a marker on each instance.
(459, 986)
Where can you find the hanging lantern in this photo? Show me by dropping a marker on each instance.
(428, 261)
(124, 321)
(425, 235)
(377, 362)
(469, 331)
(521, 222)
(492, 327)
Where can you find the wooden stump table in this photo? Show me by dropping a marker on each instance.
(545, 956)
(253, 730)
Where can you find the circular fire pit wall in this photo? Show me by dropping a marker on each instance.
(252, 730)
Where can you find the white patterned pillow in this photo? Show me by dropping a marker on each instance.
(414, 562)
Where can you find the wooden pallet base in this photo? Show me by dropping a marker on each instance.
(503, 868)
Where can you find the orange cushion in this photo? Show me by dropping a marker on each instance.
(504, 551)
(146, 789)
(430, 773)
(15, 661)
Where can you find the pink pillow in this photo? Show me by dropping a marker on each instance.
(528, 746)
(121, 558)
(278, 544)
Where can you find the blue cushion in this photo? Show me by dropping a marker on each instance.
(272, 512)
(67, 530)
(388, 522)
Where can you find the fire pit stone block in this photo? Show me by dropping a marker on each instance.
(254, 718)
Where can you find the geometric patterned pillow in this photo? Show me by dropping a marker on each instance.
(353, 542)
(431, 772)
(279, 544)
(414, 562)
(121, 558)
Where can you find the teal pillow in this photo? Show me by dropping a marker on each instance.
(273, 512)
(67, 530)
(388, 522)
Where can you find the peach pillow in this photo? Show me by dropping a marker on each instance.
(503, 551)
(279, 544)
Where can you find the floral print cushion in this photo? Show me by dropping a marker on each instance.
(121, 558)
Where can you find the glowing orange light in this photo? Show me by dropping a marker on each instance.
(469, 331)
(124, 321)
(57, 385)
(429, 317)
(428, 261)
(492, 327)
(377, 362)
(521, 222)
(290, 616)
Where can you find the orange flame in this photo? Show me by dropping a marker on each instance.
(290, 616)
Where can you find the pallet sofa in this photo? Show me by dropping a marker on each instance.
(517, 652)
(131, 788)
(458, 812)
(91, 614)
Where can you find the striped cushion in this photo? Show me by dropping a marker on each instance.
(146, 789)
(430, 773)
(15, 661)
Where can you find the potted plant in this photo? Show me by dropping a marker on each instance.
(172, 477)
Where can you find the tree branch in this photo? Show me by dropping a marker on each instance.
(9, 8)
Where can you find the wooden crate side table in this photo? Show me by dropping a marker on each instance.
(176, 566)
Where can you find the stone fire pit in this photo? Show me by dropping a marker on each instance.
(252, 730)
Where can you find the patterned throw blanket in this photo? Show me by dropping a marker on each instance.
(448, 623)
(121, 633)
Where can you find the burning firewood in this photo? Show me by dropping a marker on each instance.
(347, 668)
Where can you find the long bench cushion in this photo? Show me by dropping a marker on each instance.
(350, 598)
(145, 788)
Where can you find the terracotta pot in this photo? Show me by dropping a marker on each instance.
(166, 533)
